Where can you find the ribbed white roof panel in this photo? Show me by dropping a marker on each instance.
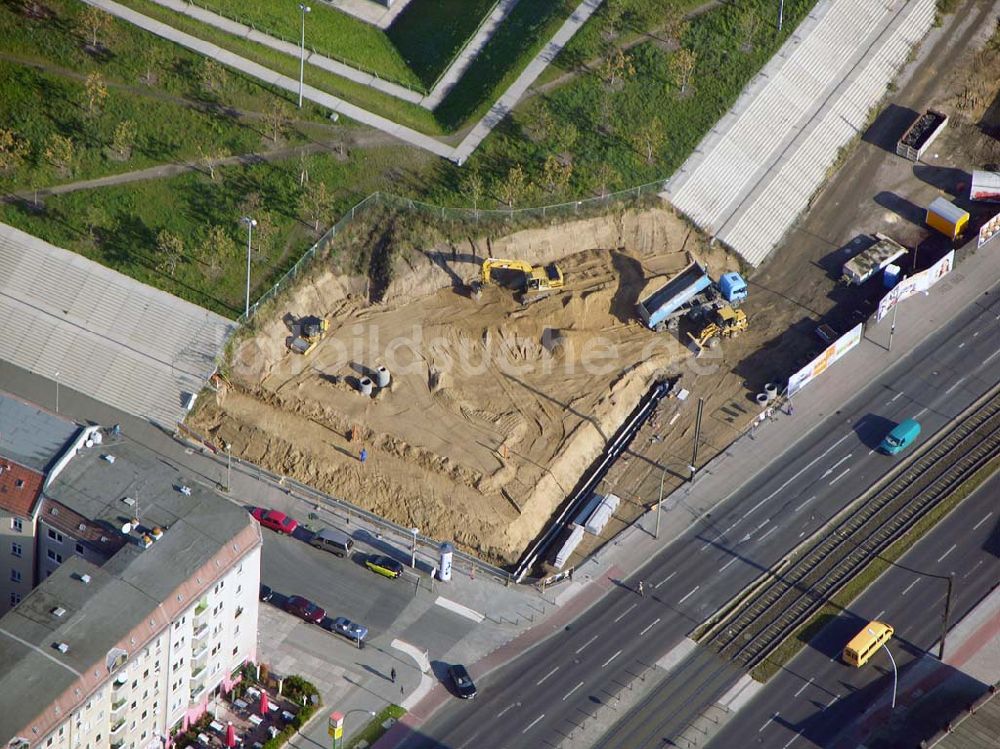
(117, 340)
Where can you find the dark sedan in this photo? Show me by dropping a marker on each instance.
(305, 609)
(464, 686)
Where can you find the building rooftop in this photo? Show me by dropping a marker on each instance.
(126, 601)
(30, 436)
(19, 487)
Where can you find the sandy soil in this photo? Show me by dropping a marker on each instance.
(494, 409)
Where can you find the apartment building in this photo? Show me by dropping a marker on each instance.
(145, 604)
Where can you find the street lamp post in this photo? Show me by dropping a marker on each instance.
(303, 9)
(781, 13)
(413, 547)
(229, 466)
(250, 224)
(893, 661)
(57, 392)
(343, 716)
(659, 504)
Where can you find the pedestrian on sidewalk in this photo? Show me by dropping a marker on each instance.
(642, 590)
(392, 675)
(363, 456)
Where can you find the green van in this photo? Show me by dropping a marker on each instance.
(901, 437)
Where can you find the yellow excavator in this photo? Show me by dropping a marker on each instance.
(724, 322)
(311, 331)
(538, 281)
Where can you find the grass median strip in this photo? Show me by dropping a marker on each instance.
(374, 730)
(871, 572)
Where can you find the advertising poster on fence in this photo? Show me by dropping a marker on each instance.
(919, 282)
(990, 230)
(820, 364)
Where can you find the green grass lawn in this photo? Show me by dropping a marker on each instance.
(328, 31)
(429, 33)
(118, 226)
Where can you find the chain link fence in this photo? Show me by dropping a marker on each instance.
(485, 219)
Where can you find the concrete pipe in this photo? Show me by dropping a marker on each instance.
(365, 385)
(382, 377)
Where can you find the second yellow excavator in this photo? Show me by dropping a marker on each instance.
(538, 281)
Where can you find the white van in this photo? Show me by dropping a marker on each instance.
(334, 541)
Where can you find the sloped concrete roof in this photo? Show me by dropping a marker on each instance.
(117, 340)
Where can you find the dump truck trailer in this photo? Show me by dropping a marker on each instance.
(919, 136)
(690, 290)
(863, 266)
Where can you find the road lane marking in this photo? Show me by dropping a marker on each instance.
(773, 529)
(838, 478)
(846, 457)
(803, 687)
(586, 644)
(958, 382)
(768, 722)
(712, 542)
(907, 588)
(731, 561)
(947, 552)
(805, 503)
(571, 691)
(790, 741)
(879, 614)
(920, 413)
(509, 707)
(611, 659)
(625, 612)
(973, 569)
(992, 356)
(532, 723)
(447, 603)
(897, 395)
(539, 682)
(665, 579)
(988, 514)
(688, 595)
(832, 700)
(649, 627)
(802, 470)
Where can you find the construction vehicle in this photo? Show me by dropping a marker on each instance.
(537, 281)
(724, 322)
(311, 331)
(691, 292)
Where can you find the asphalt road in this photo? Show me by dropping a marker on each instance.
(816, 695)
(540, 698)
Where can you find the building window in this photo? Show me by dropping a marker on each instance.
(236, 650)
(55, 557)
(15, 549)
(79, 548)
(16, 525)
(55, 536)
(15, 598)
(15, 576)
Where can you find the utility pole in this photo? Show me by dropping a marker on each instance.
(892, 327)
(944, 621)
(250, 224)
(659, 504)
(781, 14)
(303, 9)
(697, 438)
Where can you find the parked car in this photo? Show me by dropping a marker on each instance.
(265, 592)
(343, 626)
(384, 565)
(305, 609)
(464, 686)
(275, 520)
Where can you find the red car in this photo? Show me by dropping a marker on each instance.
(276, 521)
(303, 608)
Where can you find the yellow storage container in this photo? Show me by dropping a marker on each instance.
(947, 218)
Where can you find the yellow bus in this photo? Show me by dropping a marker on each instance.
(864, 644)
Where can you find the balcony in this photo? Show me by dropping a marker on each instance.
(120, 681)
(200, 653)
(117, 705)
(200, 631)
(117, 726)
(196, 672)
(118, 744)
(196, 692)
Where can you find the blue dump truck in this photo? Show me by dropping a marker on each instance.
(690, 290)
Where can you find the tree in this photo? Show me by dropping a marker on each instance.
(316, 204)
(616, 67)
(605, 178)
(123, 139)
(156, 57)
(170, 251)
(95, 217)
(472, 187)
(60, 152)
(674, 25)
(212, 75)
(277, 119)
(216, 247)
(13, 150)
(749, 24)
(210, 158)
(94, 22)
(555, 175)
(682, 68)
(613, 19)
(648, 139)
(513, 187)
(96, 92)
(565, 138)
